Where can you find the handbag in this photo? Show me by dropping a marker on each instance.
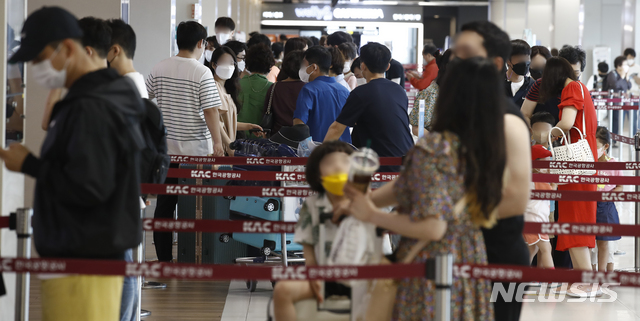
(579, 151)
(267, 118)
(382, 296)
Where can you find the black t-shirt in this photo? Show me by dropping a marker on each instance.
(377, 112)
(396, 71)
(550, 106)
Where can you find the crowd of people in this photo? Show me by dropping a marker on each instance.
(491, 104)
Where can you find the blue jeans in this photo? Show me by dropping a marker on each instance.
(130, 294)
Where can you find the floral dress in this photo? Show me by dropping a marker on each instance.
(430, 185)
(429, 95)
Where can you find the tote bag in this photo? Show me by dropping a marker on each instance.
(579, 151)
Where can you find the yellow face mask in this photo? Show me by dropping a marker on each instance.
(335, 183)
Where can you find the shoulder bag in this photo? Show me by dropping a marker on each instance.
(267, 118)
(579, 151)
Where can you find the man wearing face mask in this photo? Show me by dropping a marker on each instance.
(87, 182)
(518, 81)
(120, 55)
(320, 101)
(225, 29)
(634, 70)
(189, 100)
(618, 81)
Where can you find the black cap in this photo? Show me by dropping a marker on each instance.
(42, 27)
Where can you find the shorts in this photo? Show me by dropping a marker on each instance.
(594, 254)
(607, 214)
(337, 289)
(82, 297)
(532, 239)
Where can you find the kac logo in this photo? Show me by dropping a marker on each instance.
(255, 161)
(289, 273)
(285, 177)
(613, 197)
(569, 179)
(145, 269)
(256, 227)
(273, 192)
(176, 189)
(200, 174)
(555, 229)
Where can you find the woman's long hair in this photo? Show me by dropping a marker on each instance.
(556, 72)
(442, 61)
(471, 104)
(232, 85)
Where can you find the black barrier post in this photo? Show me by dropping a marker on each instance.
(636, 268)
(23, 231)
(440, 270)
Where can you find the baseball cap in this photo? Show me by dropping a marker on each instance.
(42, 27)
(538, 151)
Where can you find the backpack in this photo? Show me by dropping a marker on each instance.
(154, 159)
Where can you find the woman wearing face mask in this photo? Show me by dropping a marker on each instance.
(223, 64)
(337, 67)
(212, 45)
(348, 50)
(430, 71)
(539, 57)
(255, 87)
(430, 96)
(240, 49)
(284, 94)
(357, 73)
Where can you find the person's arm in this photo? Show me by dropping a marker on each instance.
(209, 103)
(248, 126)
(55, 95)
(212, 118)
(527, 110)
(335, 131)
(516, 187)
(362, 207)
(303, 107)
(385, 195)
(415, 130)
(569, 115)
(619, 188)
(609, 82)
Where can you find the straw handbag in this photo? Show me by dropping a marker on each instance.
(579, 151)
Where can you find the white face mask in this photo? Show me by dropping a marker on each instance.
(222, 38)
(360, 81)
(600, 152)
(625, 68)
(241, 66)
(47, 76)
(302, 73)
(347, 67)
(208, 54)
(631, 62)
(225, 71)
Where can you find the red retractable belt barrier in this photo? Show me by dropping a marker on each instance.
(505, 273)
(585, 179)
(587, 165)
(269, 161)
(602, 101)
(256, 191)
(582, 229)
(219, 226)
(623, 139)
(585, 196)
(4, 222)
(616, 107)
(257, 175)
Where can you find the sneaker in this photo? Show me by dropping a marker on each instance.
(534, 284)
(618, 252)
(585, 293)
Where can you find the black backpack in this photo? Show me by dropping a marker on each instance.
(154, 160)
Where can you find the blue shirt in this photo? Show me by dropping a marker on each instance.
(319, 104)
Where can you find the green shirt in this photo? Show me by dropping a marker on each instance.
(253, 90)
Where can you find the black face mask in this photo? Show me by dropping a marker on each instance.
(521, 68)
(536, 73)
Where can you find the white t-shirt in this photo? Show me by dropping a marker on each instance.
(515, 86)
(635, 69)
(138, 79)
(340, 80)
(184, 88)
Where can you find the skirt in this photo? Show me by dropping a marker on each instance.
(607, 214)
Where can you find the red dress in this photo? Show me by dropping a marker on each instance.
(578, 212)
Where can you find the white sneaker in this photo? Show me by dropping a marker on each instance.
(586, 294)
(618, 252)
(534, 284)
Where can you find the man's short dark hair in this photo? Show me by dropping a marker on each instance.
(629, 51)
(376, 56)
(259, 59)
(291, 64)
(277, 49)
(283, 37)
(236, 46)
(257, 39)
(618, 61)
(495, 41)
(603, 67)
(540, 50)
(312, 171)
(123, 35)
(225, 22)
(543, 117)
(520, 47)
(189, 34)
(574, 55)
(320, 56)
(213, 42)
(339, 37)
(314, 40)
(96, 34)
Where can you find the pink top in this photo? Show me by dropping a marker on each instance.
(609, 187)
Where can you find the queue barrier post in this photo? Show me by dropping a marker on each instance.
(22, 224)
(636, 267)
(440, 270)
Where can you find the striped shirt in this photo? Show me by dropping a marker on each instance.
(183, 89)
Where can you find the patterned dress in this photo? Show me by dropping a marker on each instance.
(431, 185)
(429, 95)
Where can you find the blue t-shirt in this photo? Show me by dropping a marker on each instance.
(377, 112)
(319, 104)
